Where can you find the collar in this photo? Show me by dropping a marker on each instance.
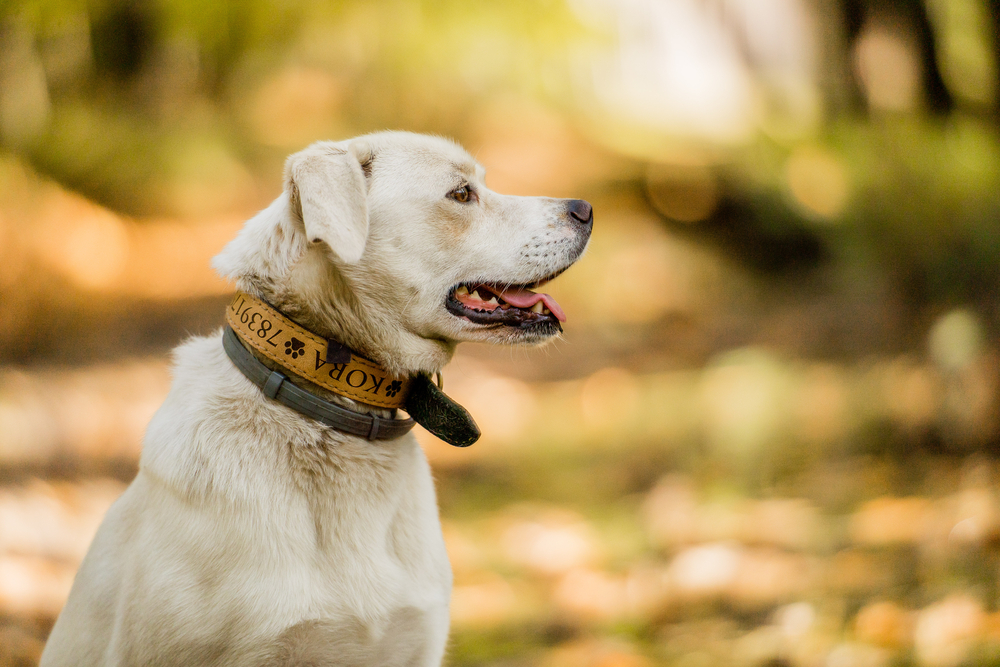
(275, 386)
(323, 362)
(253, 323)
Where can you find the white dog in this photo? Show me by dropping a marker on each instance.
(256, 535)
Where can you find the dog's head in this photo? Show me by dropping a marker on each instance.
(393, 244)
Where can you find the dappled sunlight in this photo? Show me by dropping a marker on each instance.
(607, 398)
(945, 632)
(32, 586)
(749, 553)
(58, 237)
(885, 624)
(295, 105)
(97, 413)
(683, 192)
(965, 61)
(54, 520)
(47, 528)
(591, 595)
(888, 68)
(595, 653)
(489, 602)
(743, 395)
(87, 244)
(553, 543)
(531, 149)
(673, 69)
(818, 182)
(769, 435)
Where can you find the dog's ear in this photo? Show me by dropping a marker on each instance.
(326, 186)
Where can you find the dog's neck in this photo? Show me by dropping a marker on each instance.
(369, 328)
(256, 330)
(272, 259)
(322, 361)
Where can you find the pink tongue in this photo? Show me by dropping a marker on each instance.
(524, 298)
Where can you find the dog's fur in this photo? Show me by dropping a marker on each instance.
(253, 535)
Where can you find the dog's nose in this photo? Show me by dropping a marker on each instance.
(581, 211)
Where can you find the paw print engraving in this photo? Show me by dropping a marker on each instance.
(295, 347)
(394, 388)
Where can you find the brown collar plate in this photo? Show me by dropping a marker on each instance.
(305, 354)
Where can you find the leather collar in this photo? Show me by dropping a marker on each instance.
(275, 386)
(321, 361)
(255, 324)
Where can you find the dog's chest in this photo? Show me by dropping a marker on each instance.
(367, 528)
(351, 572)
(399, 639)
(369, 587)
(314, 542)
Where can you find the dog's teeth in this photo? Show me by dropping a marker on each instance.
(462, 291)
(493, 301)
(546, 311)
(538, 308)
(475, 295)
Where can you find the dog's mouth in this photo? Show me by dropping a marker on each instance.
(508, 305)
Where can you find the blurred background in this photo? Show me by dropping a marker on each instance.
(770, 434)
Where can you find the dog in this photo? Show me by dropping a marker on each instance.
(254, 534)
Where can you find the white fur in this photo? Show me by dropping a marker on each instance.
(253, 535)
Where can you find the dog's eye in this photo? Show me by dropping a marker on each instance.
(462, 194)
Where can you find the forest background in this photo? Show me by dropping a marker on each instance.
(770, 434)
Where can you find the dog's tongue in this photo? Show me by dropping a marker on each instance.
(525, 298)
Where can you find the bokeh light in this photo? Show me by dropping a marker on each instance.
(770, 434)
